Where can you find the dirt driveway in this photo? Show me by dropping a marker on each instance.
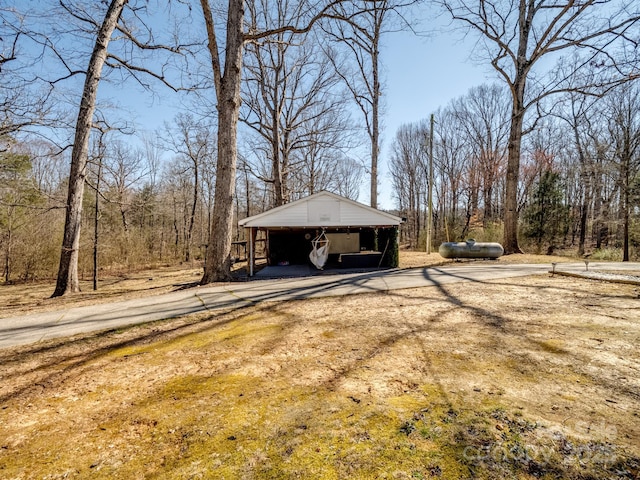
(535, 377)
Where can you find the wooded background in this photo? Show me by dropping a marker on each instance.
(310, 119)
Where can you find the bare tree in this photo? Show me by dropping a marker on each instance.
(124, 167)
(96, 159)
(409, 177)
(452, 151)
(347, 178)
(227, 82)
(271, 70)
(577, 110)
(361, 35)
(484, 116)
(48, 169)
(24, 100)
(624, 128)
(518, 39)
(291, 101)
(319, 146)
(67, 279)
(191, 141)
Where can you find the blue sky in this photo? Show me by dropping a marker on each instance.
(421, 74)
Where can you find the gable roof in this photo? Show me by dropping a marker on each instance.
(322, 209)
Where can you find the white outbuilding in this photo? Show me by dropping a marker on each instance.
(358, 235)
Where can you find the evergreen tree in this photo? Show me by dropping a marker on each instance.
(546, 216)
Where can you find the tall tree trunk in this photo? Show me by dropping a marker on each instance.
(278, 157)
(584, 214)
(510, 242)
(488, 203)
(192, 215)
(518, 111)
(96, 225)
(176, 230)
(584, 196)
(375, 118)
(625, 198)
(218, 257)
(7, 256)
(276, 164)
(68, 280)
(597, 209)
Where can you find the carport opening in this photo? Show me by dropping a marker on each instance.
(361, 247)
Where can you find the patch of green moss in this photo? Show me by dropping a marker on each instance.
(230, 425)
(237, 426)
(233, 426)
(248, 327)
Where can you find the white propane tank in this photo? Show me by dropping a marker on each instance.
(471, 249)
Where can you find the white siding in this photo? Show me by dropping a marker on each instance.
(323, 211)
(354, 216)
(295, 216)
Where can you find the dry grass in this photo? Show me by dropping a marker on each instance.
(409, 259)
(526, 378)
(35, 297)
